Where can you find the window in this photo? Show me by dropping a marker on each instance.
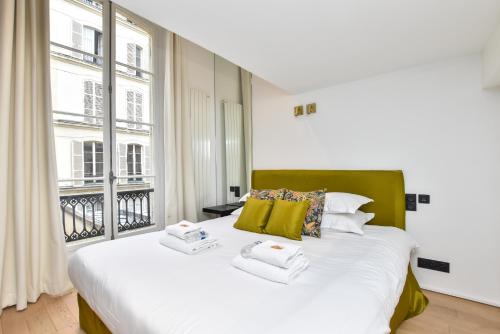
(92, 102)
(134, 58)
(134, 109)
(88, 39)
(134, 161)
(138, 59)
(84, 139)
(138, 56)
(93, 161)
(92, 43)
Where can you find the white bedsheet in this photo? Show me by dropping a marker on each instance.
(352, 285)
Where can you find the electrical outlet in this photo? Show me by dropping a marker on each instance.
(424, 199)
(411, 202)
(433, 265)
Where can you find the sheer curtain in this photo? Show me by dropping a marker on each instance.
(180, 192)
(33, 258)
(246, 93)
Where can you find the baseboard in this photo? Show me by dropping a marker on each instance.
(460, 295)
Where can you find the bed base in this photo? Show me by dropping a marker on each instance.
(411, 303)
(385, 187)
(89, 320)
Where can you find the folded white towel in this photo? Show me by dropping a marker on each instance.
(270, 272)
(279, 254)
(180, 245)
(182, 229)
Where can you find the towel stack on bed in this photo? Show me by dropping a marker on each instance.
(187, 237)
(274, 261)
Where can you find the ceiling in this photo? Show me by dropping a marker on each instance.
(300, 45)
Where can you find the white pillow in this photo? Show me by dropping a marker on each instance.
(244, 197)
(237, 212)
(346, 222)
(344, 202)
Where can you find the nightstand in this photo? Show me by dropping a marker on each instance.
(223, 210)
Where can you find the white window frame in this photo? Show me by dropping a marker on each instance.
(94, 31)
(134, 174)
(88, 179)
(109, 63)
(156, 99)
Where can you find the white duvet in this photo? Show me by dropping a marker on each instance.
(352, 285)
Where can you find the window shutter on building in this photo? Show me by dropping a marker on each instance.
(76, 38)
(138, 110)
(131, 57)
(122, 162)
(98, 103)
(130, 108)
(77, 162)
(88, 101)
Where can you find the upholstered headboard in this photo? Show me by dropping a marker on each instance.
(385, 187)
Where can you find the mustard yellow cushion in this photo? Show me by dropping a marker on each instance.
(287, 219)
(255, 215)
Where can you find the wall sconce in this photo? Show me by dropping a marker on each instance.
(298, 111)
(311, 108)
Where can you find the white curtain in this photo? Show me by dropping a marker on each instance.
(33, 258)
(246, 93)
(180, 192)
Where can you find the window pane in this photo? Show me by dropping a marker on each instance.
(133, 115)
(98, 47)
(138, 159)
(88, 152)
(99, 169)
(130, 159)
(88, 169)
(133, 43)
(88, 42)
(98, 148)
(76, 82)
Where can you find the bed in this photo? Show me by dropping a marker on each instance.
(355, 284)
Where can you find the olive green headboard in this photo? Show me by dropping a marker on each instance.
(385, 187)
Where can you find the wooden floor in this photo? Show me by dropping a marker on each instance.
(444, 314)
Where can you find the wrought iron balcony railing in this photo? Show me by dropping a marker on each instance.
(82, 214)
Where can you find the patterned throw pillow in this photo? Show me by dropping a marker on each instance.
(268, 194)
(312, 224)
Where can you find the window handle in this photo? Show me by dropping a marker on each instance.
(112, 177)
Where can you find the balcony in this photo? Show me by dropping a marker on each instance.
(82, 214)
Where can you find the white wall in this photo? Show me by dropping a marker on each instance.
(436, 124)
(491, 60)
